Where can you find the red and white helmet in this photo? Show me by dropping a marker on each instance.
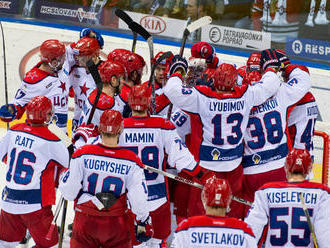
(298, 161)
(253, 62)
(107, 69)
(134, 62)
(216, 193)
(251, 77)
(51, 49)
(117, 54)
(166, 62)
(53, 53)
(111, 121)
(87, 46)
(139, 97)
(225, 77)
(39, 110)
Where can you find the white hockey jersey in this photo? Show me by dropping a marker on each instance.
(105, 102)
(224, 117)
(98, 168)
(301, 123)
(211, 231)
(277, 208)
(265, 142)
(33, 156)
(151, 137)
(83, 84)
(40, 83)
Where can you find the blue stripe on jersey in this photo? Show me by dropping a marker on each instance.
(156, 191)
(212, 153)
(265, 156)
(61, 119)
(31, 196)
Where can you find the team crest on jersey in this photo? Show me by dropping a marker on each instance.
(215, 154)
(256, 158)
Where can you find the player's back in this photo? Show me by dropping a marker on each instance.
(31, 160)
(212, 231)
(145, 136)
(286, 221)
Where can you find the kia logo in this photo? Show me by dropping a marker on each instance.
(153, 24)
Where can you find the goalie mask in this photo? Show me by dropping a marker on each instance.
(253, 62)
(196, 67)
(216, 193)
(53, 53)
(298, 161)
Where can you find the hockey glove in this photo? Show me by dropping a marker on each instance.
(8, 112)
(88, 32)
(85, 131)
(203, 175)
(177, 63)
(283, 58)
(143, 230)
(203, 50)
(269, 59)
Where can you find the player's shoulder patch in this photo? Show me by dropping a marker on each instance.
(306, 99)
(35, 75)
(105, 101)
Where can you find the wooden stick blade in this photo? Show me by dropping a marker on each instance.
(201, 22)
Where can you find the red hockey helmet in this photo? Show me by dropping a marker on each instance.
(139, 97)
(253, 62)
(225, 77)
(117, 54)
(165, 62)
(107, 69)
(216, 193)
(298, 161)
(39, 110)
(51, 49)
(87, 46)
(251, 77)
(134, 62)
(111, 122)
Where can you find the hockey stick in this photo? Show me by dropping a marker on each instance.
(4, 66)
(128, 20)
(152, 78)
(309, 222)
(56, 130)
(201, 22)
(190, 182)
(99, 85)
(53, 226)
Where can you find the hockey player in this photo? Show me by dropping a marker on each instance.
(265, 142)
(151, 137)
(81, 80)
(100, 179)
(277, 215)
(223, 113)
(134, 65)
(34, 157)
(252, 64)
(112, 74)
(214, 229)
(44, 79)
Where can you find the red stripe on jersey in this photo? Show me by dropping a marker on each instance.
(35, 75)
(237, 93)
(157, 85)
(292, 130)
(196, 135)
(105, 101)
(148, 122)
(306, 99)
(304, 184)
(47, 184)
(161, 102)
(263, 236)
(40, 131)
(113, 152)
(214, 221)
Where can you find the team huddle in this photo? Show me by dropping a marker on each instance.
(243, 135)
